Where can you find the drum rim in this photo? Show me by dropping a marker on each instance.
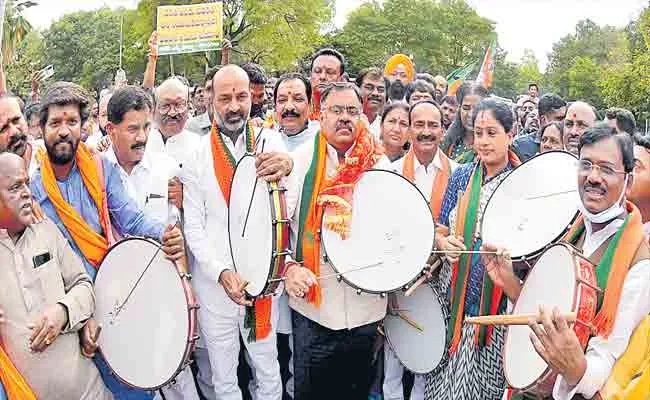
(271, 258)
(445, 356)
(536, 253)
(189, 341)
(574, 305)
(401, 287)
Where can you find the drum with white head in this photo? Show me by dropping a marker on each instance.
(422, 349)
(391, 235)
(533, 206)
(561, 278)
(258, 229)
(147, 311)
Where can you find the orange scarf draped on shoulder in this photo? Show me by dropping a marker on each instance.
(93, 245)
(13, 382)
(439, 184)
(329, 200)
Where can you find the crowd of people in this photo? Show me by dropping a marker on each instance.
(77, 174)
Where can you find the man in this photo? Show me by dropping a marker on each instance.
(419, 90)
(640, 193)
(327, 67)
(621, 119)
(533, 91)
(400, 68)
(373, 87)
(34, 127)
(41, 339)
(332, 340)
(222, 316)
(449, 108)
(611, 225)
(258, 79)
(269, 88)
(526, 144)
(14, 131)
(429, 169)
(86, 208)
(440, 84)
(198, 100)
(292, 95)
(527, 105)
(147, 176)
(551, 108)
(99, 140)
(171, 114)
(579, 117)
(201, 124)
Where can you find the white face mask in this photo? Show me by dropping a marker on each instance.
(608, 214)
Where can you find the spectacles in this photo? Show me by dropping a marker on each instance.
(179, 107)
(585, 167)
(353, 111)
(371, 88)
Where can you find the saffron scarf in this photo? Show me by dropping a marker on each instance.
(93, 245)
(613, 266)
(439, 184)
(490, 295)
(320, 191)
(258, 316)
(13, 382)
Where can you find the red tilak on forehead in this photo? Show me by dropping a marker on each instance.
(575, 116)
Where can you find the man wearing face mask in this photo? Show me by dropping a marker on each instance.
(219, 289)
(610, 233)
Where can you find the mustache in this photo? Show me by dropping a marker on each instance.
(291, 113)
(17, 138)
(588, 185)
(61, 141)
(139, 145)
(169, 118)
(345, 125)
(425, 138)
(233, 114)
(375, 97)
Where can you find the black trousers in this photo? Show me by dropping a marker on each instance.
(331, 364)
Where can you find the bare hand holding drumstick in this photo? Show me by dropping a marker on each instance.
(234, 286)
(173, 243)
(500, 271)
(89, 335)
(299, 280)
(451, 245)
(272, 166)
(558, 345)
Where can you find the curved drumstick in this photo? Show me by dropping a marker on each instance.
(121, 306)
(543, 196)
(519, 319)
(250, 203)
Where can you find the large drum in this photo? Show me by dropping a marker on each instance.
(148, 314)
(258, 229)
(561, 278)
(534, 206)
(391, 235)
(420, 351)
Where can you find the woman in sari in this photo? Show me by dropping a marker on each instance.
(458, 142)
(474, 369)
(394, 129)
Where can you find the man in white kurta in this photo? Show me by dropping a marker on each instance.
(146, 175)
(217, 285)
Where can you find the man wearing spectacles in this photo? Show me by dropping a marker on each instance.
(373, 91)
(333, 337)
(611, 236)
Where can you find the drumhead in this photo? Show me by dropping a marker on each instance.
(145, 344)
(251, 253)
(523, 225)
(391, 226)
(551, 283)
(423, 351)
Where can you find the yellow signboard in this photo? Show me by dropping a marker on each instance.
(190, 29)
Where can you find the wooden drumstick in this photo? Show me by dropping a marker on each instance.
(243, 286)
(520, 319)
(415, 285)
(409, 321)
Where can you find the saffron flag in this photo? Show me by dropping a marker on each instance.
(486, 74)
(457, 77)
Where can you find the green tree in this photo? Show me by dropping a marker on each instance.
(15, 26)
(528, 71)
(29, 58)
(506, 76)
(583, 78)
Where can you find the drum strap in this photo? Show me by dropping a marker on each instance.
(613, 259)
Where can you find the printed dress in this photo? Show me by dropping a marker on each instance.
(472, 372)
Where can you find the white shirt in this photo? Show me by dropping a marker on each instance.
(206, 213)
(341, 306)
(424, 175)
(293, 142)
(147, 184)
(633, 307)
(375, 128)
(181, 147)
